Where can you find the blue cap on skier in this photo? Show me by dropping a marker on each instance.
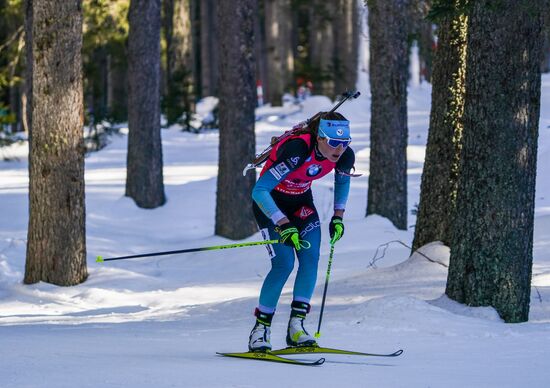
(334, 129)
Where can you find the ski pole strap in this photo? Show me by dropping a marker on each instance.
(305, 244)
(100, 259)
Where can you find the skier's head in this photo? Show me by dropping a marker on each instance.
(333, 135)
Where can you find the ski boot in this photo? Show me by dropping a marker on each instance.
(296, 334)
(260, 336)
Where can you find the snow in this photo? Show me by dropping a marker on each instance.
(159, 321)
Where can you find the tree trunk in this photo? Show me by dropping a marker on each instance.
(440, 174)
(27, 100)
(280, 57)
(421, 30)
(99, 83)
(56, 246)
(15, 107)
(545, 60)
(321, 47)
(346, 38)
(426, 44)
(144, 180)
(260, 54)
(179, 61)
(117, 94)
(491, 250)
(387, 194)
(196, 51)
(234, 217)
(209, 48)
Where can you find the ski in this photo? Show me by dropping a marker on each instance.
(269, 356)
(318, 349)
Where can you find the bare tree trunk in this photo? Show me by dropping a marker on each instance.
(388, 30)
(27, 100)
(491, 249)
(144, 179)
(260, 52)
(196, 51)
(179, 99)
(117, 92)
(421, 31)
(56, 246)
(234, 218)
(322, 47)
(209, 48)
(280, 57)
(100, 88)
(426, 44)
(15, 107)
(346, 31)
(545, 60)
(440, 174)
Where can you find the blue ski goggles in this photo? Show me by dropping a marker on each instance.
(334, 143)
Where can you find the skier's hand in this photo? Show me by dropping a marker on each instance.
(289, 235)
(336, 229)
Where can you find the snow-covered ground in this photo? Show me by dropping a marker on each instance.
(158, 322)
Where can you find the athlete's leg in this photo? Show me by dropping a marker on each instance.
(282, 263)
(308, 259)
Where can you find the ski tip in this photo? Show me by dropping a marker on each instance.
(398, 353)
(99, 259)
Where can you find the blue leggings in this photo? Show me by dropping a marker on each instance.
(283, 257)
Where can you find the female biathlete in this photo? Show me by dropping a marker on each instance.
(284, 210)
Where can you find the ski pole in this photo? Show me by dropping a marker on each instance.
(100, 259)
(331, 255)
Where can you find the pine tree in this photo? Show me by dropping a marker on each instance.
(179, 99)
(439, 176)
(56, 246)
(388, 29)
(144, 179)
(234, 217)
(321, 46)
(492, 240)
(209, 43)
(346, 45)
(280, 59)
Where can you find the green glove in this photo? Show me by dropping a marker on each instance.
(336, 229)
(289, 235)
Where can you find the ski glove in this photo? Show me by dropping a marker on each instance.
(289, 235)
(336, 229)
